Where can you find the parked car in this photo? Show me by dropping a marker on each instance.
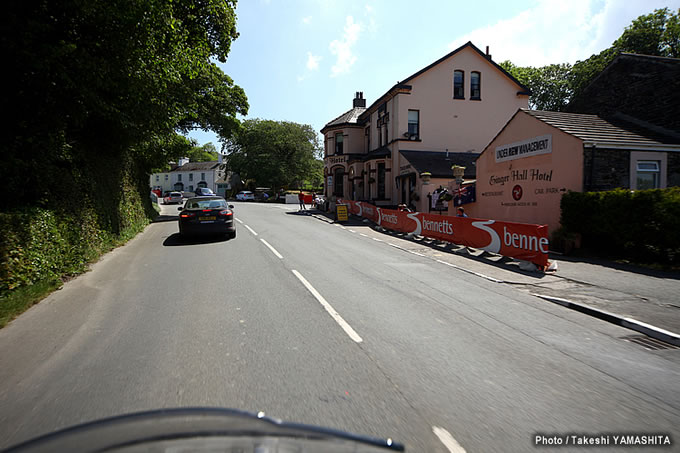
(204, 192)
(245, 195)
(207, 215)
(173, 198)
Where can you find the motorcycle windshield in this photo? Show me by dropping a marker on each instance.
(202, 430)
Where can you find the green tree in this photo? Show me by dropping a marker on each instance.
(553, 86)
(120, 77)
(549, 85)
(205, 153)
(276, 154)
(656, 34)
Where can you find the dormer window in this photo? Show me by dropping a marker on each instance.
(475, 85)
(458, 84)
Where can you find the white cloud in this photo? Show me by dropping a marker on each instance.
(556, 31)
(372, 25)
(342, 48)
(307, 20)
(313, 61)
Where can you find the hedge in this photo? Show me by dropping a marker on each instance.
(106, 206)
(641, 225)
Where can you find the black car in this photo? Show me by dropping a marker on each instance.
(207, 215)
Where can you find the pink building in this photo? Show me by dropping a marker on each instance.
(538, 156)
(443, 115)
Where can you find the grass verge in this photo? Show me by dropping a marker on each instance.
(21, 299)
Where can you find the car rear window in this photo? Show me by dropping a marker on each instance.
(175, 194)
(206, 204)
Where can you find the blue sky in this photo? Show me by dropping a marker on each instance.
(303, 60)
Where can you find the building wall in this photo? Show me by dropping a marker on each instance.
(353, 140)
(561, 170)
(461, 125)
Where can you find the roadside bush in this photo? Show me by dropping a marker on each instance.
(46, 243)
(642, 225)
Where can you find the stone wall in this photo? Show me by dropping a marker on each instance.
(605, 169)
(673, 170)
(646, 88)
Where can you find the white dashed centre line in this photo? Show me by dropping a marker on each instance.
(331, 311)
(250, 229)
(239, 221)
(447, 439)
(352, 231)
(271, 248)
(364, 235)
(376, 239)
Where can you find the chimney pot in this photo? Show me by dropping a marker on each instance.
(359, 100)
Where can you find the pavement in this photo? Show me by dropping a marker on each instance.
(631, 296)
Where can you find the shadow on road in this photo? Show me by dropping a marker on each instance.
(175, 240)
(627, 267)
(305, 212)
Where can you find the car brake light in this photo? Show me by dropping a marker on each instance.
(187, 215)
(226, 213)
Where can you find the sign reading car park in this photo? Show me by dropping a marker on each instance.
(526, 148)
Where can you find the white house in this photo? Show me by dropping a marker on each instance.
(188, 176)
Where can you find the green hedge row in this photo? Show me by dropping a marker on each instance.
(642, 225)
(42, 243)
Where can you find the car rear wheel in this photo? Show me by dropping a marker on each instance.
(231, 235)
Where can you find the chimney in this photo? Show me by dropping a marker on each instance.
(359, 100)
(488, 57)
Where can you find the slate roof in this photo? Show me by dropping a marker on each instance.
(349, 117)
(197, 166)
(598, 131)
(377, 154)
(437, 162)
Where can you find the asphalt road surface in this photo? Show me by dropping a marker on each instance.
(318, 323)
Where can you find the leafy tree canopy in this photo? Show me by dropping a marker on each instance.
(553, 86)
(205, 153)
(276, 154)
(113, 76)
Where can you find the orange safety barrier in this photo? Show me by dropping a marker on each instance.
(523, 241)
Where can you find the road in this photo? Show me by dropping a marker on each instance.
(318, 323)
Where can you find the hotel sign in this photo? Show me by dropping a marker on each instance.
(526, 148)
(336, 160)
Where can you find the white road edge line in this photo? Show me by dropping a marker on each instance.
(331, 311)
(250, 229)
(415, 253)
(239, 221)
(447, 439)
(271, 248)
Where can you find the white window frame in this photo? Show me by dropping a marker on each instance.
(642, 156)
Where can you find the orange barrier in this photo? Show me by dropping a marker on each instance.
(516, 240)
